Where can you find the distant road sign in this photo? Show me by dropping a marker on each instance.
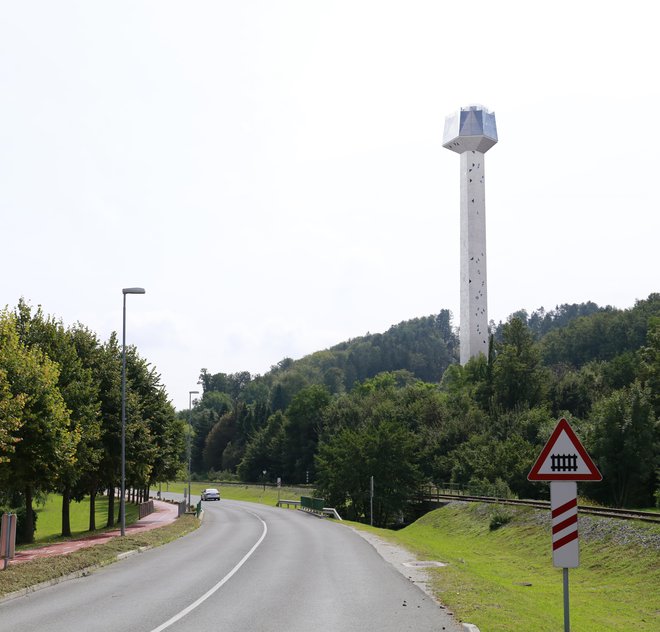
(564, 458)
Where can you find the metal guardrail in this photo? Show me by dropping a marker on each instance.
(288, 503)
(331, 511)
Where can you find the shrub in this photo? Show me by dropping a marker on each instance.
(499, 518)
(483, 487)
(221, 476)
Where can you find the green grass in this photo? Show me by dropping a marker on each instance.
(616, 587)
(20, 576)
(49, 518)
(248, 493)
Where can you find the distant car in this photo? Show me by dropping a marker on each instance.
(210, 494)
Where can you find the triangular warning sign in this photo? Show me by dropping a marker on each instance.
(564, 459)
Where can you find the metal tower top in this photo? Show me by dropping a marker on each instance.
(471, 129)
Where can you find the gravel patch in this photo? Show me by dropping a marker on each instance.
(590, 528)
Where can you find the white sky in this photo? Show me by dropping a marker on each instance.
(273, 172)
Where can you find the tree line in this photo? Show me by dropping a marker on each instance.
(60, 418)
(413, 415)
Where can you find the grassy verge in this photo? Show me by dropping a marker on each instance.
(19, 576)
(503, 580)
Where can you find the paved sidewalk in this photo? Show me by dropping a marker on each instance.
(164, 514)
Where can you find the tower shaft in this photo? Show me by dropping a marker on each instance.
(474, 295)
(471, 132)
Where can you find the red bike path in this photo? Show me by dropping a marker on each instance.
(164, 514)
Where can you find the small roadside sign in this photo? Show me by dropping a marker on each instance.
(7, 537)
(564, 458)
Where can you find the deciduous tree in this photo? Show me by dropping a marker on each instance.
(45, 447)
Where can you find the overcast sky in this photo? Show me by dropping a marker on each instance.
(273, 172)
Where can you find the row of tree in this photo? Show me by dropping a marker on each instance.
(60, 417)
(480, 425)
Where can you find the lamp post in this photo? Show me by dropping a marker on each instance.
(122, 504)
(190, 394)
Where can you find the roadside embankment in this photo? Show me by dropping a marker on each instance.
(499, 572)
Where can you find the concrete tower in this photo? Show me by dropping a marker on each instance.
(471, 133)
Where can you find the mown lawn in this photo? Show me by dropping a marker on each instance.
(49, 517)
(248, 493)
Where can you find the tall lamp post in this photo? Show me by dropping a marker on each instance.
(190, 394)
(122, 503)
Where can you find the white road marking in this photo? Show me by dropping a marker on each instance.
(219, 585)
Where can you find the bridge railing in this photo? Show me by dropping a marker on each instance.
(312, 504)
(497, 489)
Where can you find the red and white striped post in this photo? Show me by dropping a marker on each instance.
(563, 504)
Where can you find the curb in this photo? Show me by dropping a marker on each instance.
(469, 627)
(125, 554)
(23, 592)
(83, 572)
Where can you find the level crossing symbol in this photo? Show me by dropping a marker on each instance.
(564, 458)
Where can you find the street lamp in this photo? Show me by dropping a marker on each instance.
(122, 504)
(190, 394)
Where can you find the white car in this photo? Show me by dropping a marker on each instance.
(210, 494)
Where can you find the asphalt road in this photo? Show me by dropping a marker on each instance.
(248, 568)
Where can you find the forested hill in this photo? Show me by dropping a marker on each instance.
(424, 347)
(399, 407)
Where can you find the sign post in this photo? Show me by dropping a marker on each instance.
(564, 461)
(371, 501)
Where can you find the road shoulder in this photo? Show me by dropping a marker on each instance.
(406, 563)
